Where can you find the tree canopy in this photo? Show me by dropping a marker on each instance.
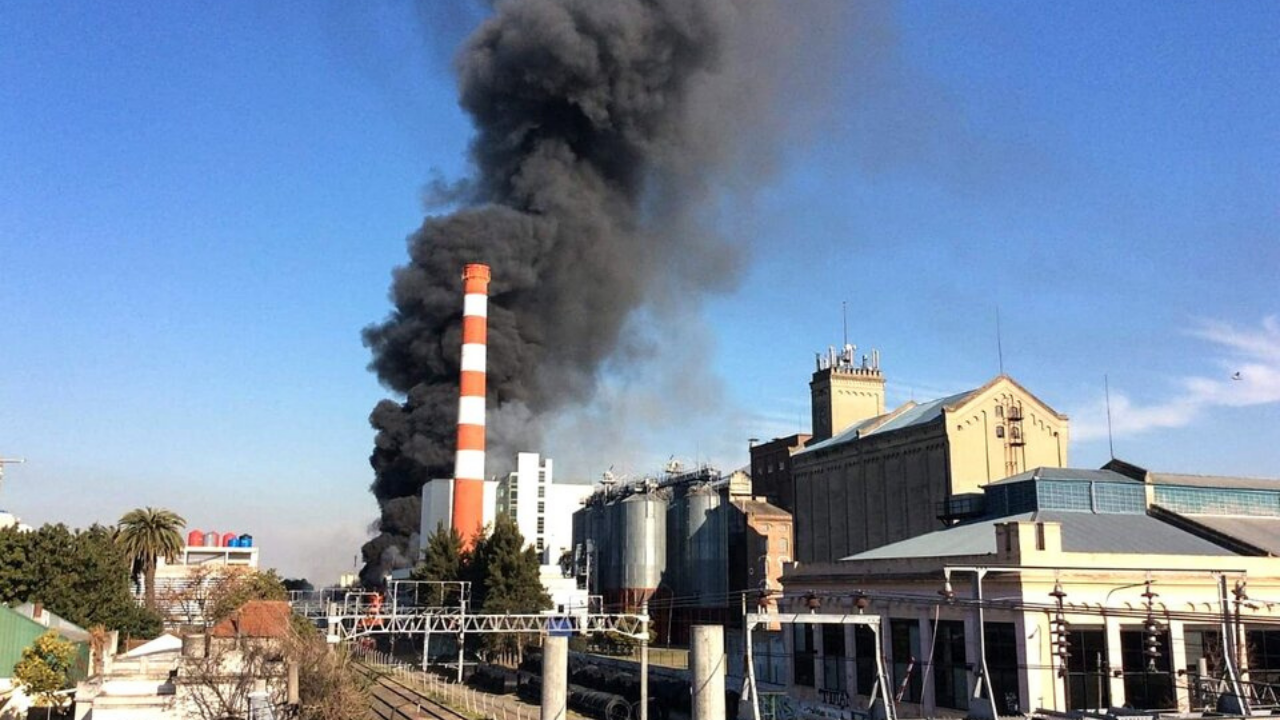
(148, 534)
(45, 667)
(504, 574)
(81, 575)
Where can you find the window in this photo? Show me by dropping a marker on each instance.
(541, 525)
(1146, 686)
(833, 658)
(999, 431)
(907, 667)
(1054, 495)
(1088, 672)
(542, 507)
(542, 491)
(782, 544)
(864, 660)
(1015, 433)
(1117, 498)
(999, 411)
(802, 655)
(1002, 663)
(951, 675)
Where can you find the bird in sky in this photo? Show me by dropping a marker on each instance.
(1237, 376)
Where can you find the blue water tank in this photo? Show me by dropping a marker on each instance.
(246, 541)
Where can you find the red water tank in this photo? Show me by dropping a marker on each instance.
(195, 538)
(228, 539)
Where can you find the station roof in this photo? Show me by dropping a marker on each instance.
(1081, 532)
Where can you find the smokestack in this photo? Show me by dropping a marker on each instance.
(468, 464)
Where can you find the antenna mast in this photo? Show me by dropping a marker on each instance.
(999, 344)
(1111, 445)
(844, 318)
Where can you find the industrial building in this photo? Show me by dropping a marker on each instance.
(208, 556)
(538, 505)
(1073, 589)
(867, 477)
(689, 544)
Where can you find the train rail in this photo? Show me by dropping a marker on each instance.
(391, 699)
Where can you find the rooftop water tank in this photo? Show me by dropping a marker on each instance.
(229, 539)
(246, 540)
(211, 539)
(195, 538)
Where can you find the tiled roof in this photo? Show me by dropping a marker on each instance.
(257, 619)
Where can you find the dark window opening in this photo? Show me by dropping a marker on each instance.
(950, 673)
(1088, 672)
(905, 637)
(1002, 663)
(802, 655)
(1147, 685)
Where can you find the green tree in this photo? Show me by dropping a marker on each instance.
(506, 579)
(81, 575)
(45, 667)
(443, 560)
(148, 534)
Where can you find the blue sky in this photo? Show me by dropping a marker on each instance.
(201, 204)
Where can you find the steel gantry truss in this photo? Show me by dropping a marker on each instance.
(451, 621)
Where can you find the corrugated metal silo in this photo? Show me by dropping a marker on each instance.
(643, 530)
(705, 537)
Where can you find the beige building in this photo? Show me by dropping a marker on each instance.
(866, 480)
(1151, 568)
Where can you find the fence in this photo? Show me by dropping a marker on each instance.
(455, 696)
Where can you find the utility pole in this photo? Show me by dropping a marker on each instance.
(706, 666)
(644, 661)
(8, 461)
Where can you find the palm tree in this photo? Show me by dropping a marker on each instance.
(147, 534)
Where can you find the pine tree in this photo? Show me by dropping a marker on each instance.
(506, 580)
(443, 560)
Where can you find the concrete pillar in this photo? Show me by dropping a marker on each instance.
(555, 678)
(1115, 660)
(706, 666)
(1178, 661)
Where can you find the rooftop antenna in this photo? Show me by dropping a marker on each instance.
(8, 461)
(844, 318)
(999, 344)
(1106, 388)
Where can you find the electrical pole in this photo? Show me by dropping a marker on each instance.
(8, 461)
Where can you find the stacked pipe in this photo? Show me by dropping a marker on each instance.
(468, 468)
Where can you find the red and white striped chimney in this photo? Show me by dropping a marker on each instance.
(468, 467)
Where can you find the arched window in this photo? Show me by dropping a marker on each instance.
(999, 411)
(999, 431)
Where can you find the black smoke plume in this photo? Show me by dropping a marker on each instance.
(605, 134)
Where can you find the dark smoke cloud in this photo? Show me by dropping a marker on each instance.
(606, 133)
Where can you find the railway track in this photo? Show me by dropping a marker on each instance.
(391, 699)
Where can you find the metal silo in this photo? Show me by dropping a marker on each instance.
(705, 537)
(643, 556)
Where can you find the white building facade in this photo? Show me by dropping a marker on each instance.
(540, 507)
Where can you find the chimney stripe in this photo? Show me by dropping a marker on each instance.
(473, 383)
(471, 411)
(474, 330)
(470, 437)
(473, 357)
(476, 305)
(470, 466)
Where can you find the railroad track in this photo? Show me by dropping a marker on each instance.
(391, 699)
